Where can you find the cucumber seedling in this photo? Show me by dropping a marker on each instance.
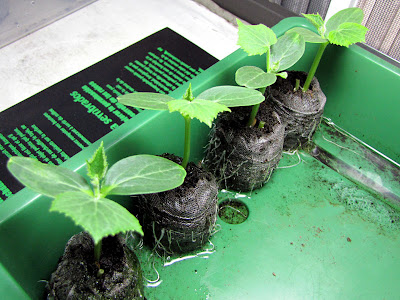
(86, 202)
(281, 54)
(343, 29)
(205, 107)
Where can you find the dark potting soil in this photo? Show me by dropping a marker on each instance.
(181, 220)
(300, 111)
(76, 274)
(243, 158)
(307, 102)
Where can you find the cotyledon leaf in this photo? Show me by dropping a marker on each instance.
(253, 78)
(100, 217)
(142, 174)
(46, 179)
(146, 100)
(232, 96)
(287, 51)
(308, 35)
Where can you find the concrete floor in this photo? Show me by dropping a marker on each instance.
(97, 31)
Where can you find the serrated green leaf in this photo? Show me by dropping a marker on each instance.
(255, 39)
(347, 34)
(317, 21)
(143, 174)
(146, 100)
(46, 179)
(97, 165)
(348, 15)
(232, 96)
(308, 35)
(287, 51)
(100, 217)
(203, 110)
(253, 78)
(188, 94)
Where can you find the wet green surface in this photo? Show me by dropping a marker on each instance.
(300, 242)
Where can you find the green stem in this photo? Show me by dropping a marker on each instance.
(314, 65)
(96, 186)
(268, 59)
(97, 251)
(254, 110)
(297, 85)
(186, 150)
(253, 114)
(256, 107)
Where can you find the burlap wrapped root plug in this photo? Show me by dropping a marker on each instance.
(301, 112)
(243, 158)
(76, 274)
(181, 220)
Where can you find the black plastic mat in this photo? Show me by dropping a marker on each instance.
(61, 120)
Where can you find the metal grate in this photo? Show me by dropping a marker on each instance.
(382, 18)
(305, 6)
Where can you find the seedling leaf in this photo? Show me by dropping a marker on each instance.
(253, 78)
(308, 35)
(146, 100)
(46, 179)
(142, 174)
(347, 34)
(97, 165)
(100, 217)
(317, 21)
(287, 51)
(348, 15)
(343, 28)
(188, 94)
(284, 75)
(232, 96)
(255, 39)
(203, 110)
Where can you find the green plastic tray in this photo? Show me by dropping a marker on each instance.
(326, 226)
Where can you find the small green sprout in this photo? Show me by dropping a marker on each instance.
(281, 54)
(343, 29)
(86, 203)
(205, 107)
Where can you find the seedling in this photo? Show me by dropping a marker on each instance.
(281, 54)
(343, 28)
(205, 107)
(86, 203)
